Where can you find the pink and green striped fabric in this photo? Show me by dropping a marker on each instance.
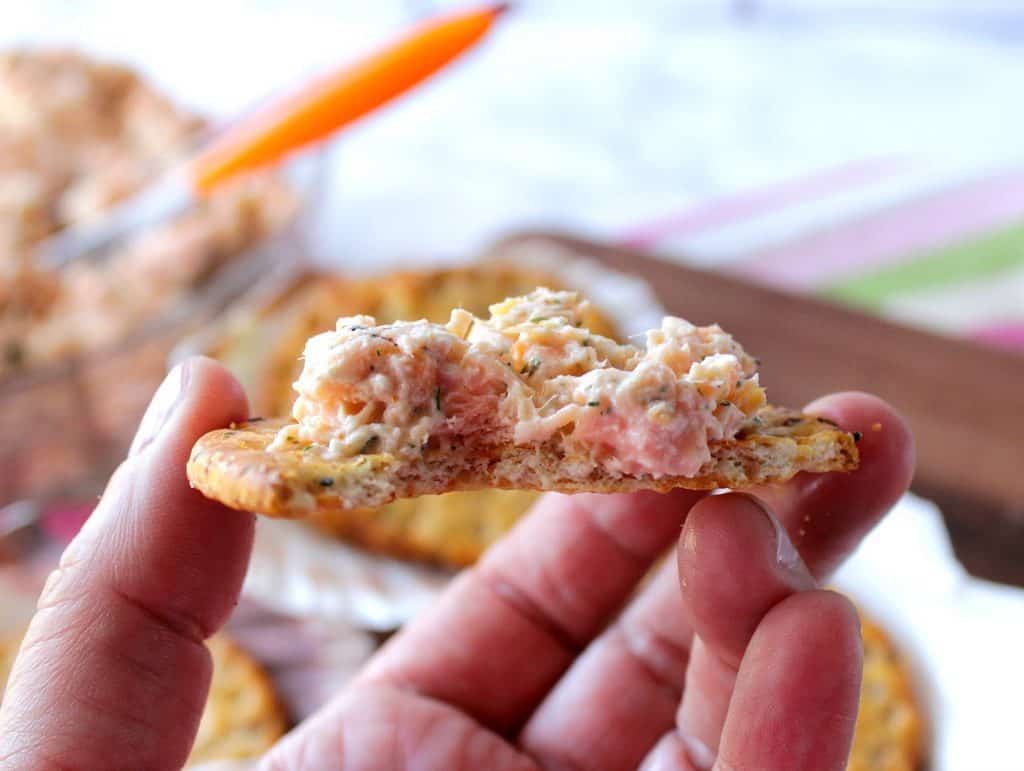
(938, 248)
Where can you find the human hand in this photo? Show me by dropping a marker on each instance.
(113, 672)
(544, 655)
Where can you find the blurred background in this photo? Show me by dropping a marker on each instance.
(599, 115)
(841, 184)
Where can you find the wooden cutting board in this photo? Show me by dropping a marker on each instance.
(964, 402)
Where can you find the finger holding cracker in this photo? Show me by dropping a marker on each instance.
(826, 516)
(730, 575)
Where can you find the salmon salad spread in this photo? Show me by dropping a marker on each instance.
(528, 375)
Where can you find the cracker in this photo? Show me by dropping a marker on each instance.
(9, 648)
(890, 728)
(243, 717)
(233, 466)
(452, 529)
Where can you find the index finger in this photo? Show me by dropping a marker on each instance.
(113, 672)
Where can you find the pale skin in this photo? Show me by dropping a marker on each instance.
(553, 652)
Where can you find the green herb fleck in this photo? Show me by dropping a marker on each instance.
(531, 366)
(437, 398)
(14, 353)
(594, 403)
(326, 481)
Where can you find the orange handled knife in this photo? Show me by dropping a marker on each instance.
(270, 133)
(339, 98)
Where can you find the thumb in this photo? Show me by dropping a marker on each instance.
(113, 672)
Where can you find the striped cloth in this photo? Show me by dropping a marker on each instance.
(938, 248)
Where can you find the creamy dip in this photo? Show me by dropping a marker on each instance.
(529, 374)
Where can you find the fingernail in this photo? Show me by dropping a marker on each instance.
(699, 754)
(675, 751)
(165, 401)
(786, 555)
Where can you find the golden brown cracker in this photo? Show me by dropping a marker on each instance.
(233, 466)
(8, 652)
(453, 529)
(431, 528)
(243, 717)
(890, 728)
